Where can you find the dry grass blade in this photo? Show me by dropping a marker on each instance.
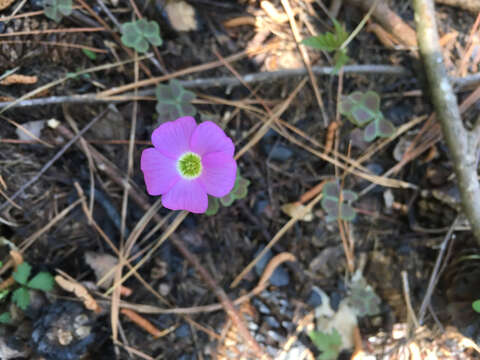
(32, 238)
(306, 59)
(171, 228)
(267, 124)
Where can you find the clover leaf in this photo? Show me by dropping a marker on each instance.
(328, 343)
(332, 205)
(57, 9)
(364, 108)
(174, 101)
(139, 34)
(239, 191)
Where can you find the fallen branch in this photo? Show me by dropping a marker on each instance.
(462, 144)
(470, 5)
(227, 81)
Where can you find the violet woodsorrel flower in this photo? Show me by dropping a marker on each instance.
(189, 161)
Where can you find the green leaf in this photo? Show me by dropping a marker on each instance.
(174, 101)
(4, 294)
(42, 281)
(340, 60)
(21, 298)
(385, 128)
(328, 41)
(361, 108)
(227, 200)
(139, 34)
(331, 190)
(328, 343)
(476, 306)
(371, 100)
(349, 195)
(5, 318)
(89, 53)
(56, 9)
(330, 205)
(370, 132)
(347, 213)
(22, 273)
(213, 206)
(141, 45)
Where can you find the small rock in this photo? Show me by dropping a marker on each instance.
(314, 298)
(182, 331)
(280, 153)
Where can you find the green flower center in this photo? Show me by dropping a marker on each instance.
(189, 166)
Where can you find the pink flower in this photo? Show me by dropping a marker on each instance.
(189, 161)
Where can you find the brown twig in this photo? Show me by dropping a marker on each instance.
(389, 20)
(143, 323)
(470, 5)
(462, 144)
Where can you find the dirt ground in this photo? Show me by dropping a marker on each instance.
(158, 284)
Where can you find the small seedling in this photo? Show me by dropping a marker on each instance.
(336, 206)
(328, 343)
(239, 191)
(57, 9)
(174, 101)
(139, 34)
(331, 42)
(364, 108)
(20, 296)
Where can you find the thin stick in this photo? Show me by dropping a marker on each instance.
(306, 59)
(435, 273)
(462, 144)
(408, 303)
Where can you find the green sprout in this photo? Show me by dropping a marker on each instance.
(21, 296)
(335, 208)
(174, 101)
(57, 9)
(139, 34)
(364, 108)
(239, 191)
(328, 343)
(331, 42)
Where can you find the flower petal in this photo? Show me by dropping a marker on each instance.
(208, 137)
(219, 173)
(172, 138)
(160, 172)
(186, 195)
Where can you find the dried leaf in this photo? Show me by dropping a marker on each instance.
(101, 264)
